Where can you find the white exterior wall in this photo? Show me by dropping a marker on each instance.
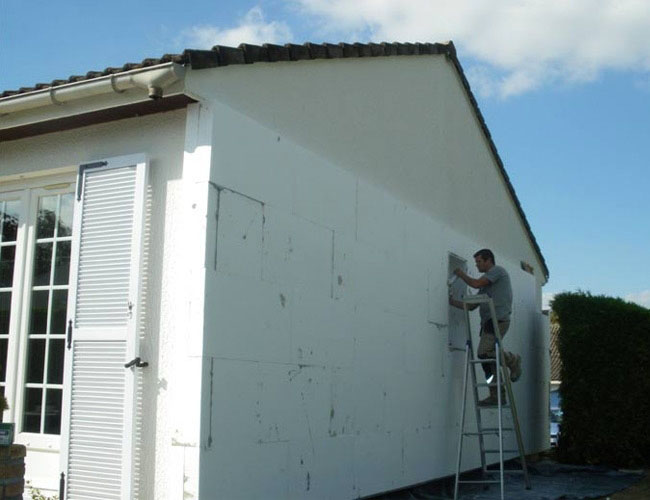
(166, 449)
(326, 309)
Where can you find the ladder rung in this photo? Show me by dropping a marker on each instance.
(485, 384)
(476, 299)
(489, 481)
(484, 361)
(504, 451)
(487, 431)
(508, 471)
(496, 429)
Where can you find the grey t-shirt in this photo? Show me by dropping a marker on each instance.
(501, 292)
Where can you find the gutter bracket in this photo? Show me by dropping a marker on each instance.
(114, 86)
(54, 99)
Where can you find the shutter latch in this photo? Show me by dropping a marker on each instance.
(137, 362)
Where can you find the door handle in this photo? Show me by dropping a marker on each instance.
(137, 362)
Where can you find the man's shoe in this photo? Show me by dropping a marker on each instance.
(515, 371)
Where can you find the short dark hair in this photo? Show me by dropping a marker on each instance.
(485, 254)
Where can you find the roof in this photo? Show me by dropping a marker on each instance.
(556, 362)
(248, 54)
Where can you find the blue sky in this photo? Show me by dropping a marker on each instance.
(564, 88)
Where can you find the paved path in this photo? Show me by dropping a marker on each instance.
(549, 481)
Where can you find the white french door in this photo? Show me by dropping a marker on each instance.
(101, 331)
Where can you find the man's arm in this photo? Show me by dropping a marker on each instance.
(473, 282)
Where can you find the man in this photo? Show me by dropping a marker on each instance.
(495, 282)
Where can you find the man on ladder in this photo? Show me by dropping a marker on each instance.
(495, 302)
(494, 283)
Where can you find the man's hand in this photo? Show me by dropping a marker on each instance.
(473, 282)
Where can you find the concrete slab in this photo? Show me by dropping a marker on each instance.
(549, 480)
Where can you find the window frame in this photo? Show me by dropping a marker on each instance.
(29, 192)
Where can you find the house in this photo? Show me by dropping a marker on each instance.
(224, 272)
(555, 399)
(556, 360)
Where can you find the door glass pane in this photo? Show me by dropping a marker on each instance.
(46, 216)
(35, 361)
(47, 314)
(62, 263)
(53, 411)
(7, 257)
(38, 312)
(3, 359)
(10, 221)
(32, 412)
(65, 215)
(5, 310)
(42, 264)
(55, 361)
(59, 311)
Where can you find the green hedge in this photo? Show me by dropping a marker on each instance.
(604, 344)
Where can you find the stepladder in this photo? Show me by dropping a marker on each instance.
(494, 438)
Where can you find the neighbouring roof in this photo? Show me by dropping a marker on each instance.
(556, 362)
(247, 54)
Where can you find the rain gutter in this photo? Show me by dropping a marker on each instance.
(154, 80)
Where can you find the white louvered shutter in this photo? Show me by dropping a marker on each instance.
(99, 404)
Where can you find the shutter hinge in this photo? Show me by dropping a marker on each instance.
(80, 175)
(137, 362)
(69, 334)
(62, 487)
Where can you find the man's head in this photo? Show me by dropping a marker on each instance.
(484, 260)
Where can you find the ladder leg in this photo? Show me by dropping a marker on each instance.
(499, 378)
(462, 419)
(520, 442)
(511, 400)
(479, 423)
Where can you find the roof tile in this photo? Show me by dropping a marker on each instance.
(334, 51)
(316, 50)
(298, 52)
(229, 55)
(277, 52)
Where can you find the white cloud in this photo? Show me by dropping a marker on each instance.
(252, 28)
(641, 298)
(524, 43)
